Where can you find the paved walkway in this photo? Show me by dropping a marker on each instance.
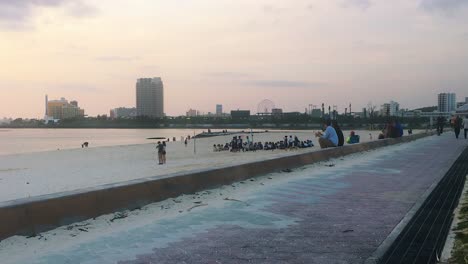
(334, 212)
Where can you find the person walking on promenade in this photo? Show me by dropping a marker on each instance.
(457, 123)
(465, 124)
(329, 139)
(440, 125)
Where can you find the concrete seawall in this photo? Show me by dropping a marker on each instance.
(37, 214)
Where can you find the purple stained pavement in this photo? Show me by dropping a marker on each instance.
(317, 214)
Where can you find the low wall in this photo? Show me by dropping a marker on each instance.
(33, 215)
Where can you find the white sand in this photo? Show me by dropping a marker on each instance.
(33, 174)
(19, 249)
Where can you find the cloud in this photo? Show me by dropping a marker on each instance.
(284, 84)
(80, 9)
(273, 9)
(229, 75)
(16, 14)
(361, 4)
(75, 87)
(116, 58)
(249, 80)
(446, 7)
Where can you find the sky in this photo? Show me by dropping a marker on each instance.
(231, 52)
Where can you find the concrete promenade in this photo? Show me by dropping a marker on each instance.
(332, 212)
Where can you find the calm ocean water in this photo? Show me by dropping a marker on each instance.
(14, 141)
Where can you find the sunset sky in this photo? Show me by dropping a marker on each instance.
(231, 52)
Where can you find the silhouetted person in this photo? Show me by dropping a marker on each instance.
(440, 125)
(339, 133)
(457, 123)
(465, 125)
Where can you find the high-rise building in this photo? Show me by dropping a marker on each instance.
(192, 113)
(390, 109)
(62, 109)
(150, 97)
(447, 102)
(219, 109)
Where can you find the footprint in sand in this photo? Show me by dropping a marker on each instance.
(12, 169)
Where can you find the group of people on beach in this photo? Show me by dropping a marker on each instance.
(238, 144)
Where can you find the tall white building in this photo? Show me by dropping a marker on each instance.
(390, 109)
(150, 97)
(447, 102)
(219, 109)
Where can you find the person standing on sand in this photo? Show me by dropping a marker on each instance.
(164, 154)
(185, 142)
(160, 148)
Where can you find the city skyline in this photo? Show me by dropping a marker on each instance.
(232, 53)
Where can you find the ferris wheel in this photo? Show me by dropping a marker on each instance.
(265, 107)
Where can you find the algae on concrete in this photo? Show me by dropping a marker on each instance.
(460, 247)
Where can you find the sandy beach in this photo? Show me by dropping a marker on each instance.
(33, 174)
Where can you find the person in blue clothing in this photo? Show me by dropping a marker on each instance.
(329, 139)
(353, 138)
(398, 128)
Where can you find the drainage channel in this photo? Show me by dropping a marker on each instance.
(423, 239)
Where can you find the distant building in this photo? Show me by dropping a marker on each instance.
(276, 111)
(240, 114)
(192, 113)
(316, 112)
(446, 102)
(62, 109)
(460, 104)
(123, 112)
(150, 97)
(219, 109)
(390, 109)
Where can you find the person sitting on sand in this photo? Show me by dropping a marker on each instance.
(353, 138)
(84, 145)
(329, 139)
(215, 148)
(381, 135)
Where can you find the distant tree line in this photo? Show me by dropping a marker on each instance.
(289, 120)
